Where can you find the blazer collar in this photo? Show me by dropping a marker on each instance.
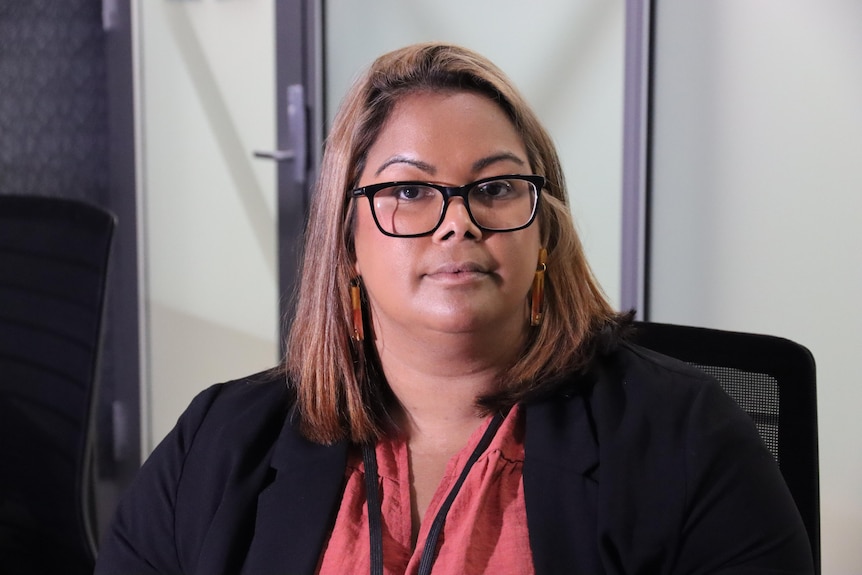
(561, 430)
(295, 512)
(560, 479)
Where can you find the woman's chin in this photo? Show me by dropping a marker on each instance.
(474, 320)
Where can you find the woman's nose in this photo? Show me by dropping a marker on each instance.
(457, 223)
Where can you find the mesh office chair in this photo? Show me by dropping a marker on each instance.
(53, 257)
(773, 380)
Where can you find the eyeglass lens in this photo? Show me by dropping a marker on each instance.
(410, 209)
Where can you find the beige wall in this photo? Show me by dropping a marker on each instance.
(758, 196)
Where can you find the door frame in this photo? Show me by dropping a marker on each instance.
(299, 62)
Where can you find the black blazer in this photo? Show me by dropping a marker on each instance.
(642, 465)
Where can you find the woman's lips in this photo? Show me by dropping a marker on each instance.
(458, 272)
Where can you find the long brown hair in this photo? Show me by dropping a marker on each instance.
(340, 390)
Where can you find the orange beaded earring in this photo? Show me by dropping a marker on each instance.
(538, 291)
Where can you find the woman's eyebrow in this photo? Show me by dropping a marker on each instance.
(425, 167)
(480, 165)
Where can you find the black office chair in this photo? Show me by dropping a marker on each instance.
(53, 258)
(773, 380)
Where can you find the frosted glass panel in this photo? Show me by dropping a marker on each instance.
(209, 281)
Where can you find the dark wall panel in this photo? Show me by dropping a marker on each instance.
(67, 129)
(53, 111)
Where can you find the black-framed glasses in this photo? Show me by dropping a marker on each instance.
(413, 209)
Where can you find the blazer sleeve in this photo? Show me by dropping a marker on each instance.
(141, 539)
(686, 484)
(740, 517)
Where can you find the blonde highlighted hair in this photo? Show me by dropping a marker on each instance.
(340, 390)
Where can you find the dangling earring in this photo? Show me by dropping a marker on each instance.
(356, 306)
(536, 313)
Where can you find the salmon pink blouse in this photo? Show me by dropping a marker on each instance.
(485, 529)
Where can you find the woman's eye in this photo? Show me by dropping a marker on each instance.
(410, 192)
(495, 189)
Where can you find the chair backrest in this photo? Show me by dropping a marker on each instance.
(773, 379)
(53, 259)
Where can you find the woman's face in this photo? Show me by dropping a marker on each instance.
(459, 279)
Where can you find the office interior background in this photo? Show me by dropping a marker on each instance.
(748, 141)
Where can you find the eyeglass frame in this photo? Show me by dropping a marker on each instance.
(448, 193)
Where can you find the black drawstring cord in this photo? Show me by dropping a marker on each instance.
(375, 514)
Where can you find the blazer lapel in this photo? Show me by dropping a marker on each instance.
(295, 512)
(560, 489)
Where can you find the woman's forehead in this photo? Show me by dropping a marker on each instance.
(431, 131)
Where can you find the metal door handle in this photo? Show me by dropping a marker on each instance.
(277, 155)
(296, 135)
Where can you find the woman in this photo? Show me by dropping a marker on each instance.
(458, 395)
